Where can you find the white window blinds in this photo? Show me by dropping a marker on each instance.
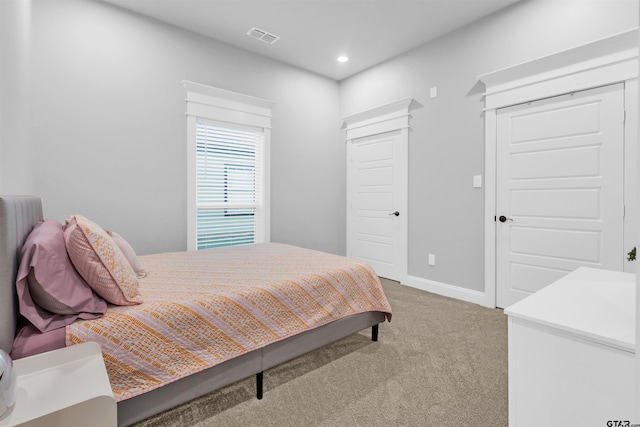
(228, 184)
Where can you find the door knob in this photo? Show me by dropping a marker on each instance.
(396, 213)
(503, 218)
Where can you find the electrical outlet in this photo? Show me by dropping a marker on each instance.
(432, 259)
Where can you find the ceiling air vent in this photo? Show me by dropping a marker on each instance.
(259, 34)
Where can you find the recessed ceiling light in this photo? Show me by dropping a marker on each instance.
(343, 59)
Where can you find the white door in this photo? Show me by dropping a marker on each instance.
(559, 189)
(377, 213)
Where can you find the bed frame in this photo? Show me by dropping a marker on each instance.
(18, 215)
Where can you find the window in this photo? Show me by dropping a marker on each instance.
(228, 155)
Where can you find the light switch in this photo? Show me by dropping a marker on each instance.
(477, 181)
(433, 92)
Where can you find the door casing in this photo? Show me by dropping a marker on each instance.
(603, 62)
(383, 119)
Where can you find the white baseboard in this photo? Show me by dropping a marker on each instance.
(451, 291)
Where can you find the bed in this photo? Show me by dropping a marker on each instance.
(258, 333)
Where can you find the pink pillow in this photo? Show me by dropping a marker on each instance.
(51, 293)
(100, 262)
(129, 253)
(30, 341)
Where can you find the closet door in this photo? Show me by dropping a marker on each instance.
(377, 215)
(559, 189)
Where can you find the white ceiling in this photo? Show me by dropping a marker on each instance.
(313, 33)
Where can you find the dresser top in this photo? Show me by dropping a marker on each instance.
(599, 305)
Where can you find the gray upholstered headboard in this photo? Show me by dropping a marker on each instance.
(18, 215)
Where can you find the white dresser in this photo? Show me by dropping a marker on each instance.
(571, 351)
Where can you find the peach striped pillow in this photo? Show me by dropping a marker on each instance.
(100, 262)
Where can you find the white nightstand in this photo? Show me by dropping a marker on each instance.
(65, 387)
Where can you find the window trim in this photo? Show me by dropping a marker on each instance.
(210, 103)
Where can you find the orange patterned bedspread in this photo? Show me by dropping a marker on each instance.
(203, 308)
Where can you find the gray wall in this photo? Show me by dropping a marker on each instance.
(107, 131)
(15, 35)
(447, 138)
(93, 121)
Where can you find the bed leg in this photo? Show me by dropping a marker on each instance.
(374, 333)
(259, 385)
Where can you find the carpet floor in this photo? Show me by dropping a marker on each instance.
(439, 362)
